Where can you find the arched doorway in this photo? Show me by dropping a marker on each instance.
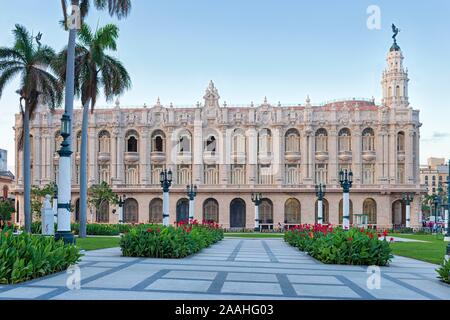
(237, 213)
(182, 210)
(77, 210)
(155, 214)
(292, 211)
(341, 212)
(131, 211)
(325, 211)
(211, 210)
(370, 208)
(398, 214)
(266, 214)
(103, 213)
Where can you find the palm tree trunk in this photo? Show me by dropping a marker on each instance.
(83, 170)
(27, 169)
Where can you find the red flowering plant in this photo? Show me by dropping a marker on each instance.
(337, 246)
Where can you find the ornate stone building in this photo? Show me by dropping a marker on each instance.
(231, 151)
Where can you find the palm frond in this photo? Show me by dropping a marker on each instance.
(118, 8)
(7, 75)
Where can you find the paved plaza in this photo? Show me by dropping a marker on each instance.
(233, 269)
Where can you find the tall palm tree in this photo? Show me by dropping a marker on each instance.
(95, 70)
(30, 62)
(118, 8)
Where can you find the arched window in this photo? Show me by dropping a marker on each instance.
(238, 145)
(211, 144)
(401, 141)
(104, 141)
(370, 208)
(131, 211)
(132, 141)
(211, 210)
(264, 141)
(368, 140)
(266, 212)
(325, 211)
(102, 215)
(184, 142)
(321, 140)
(158, 139)
(292, 211)
(131, 176)
(345, 143)
(292, 140)
(341, 211)
(155, 211)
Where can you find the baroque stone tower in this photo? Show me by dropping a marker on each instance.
(395, 78)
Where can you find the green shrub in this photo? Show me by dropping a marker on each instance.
(25, 257)
(338, 246)
(169, 242)
(444, 271)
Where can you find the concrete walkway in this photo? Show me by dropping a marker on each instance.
(233, 269)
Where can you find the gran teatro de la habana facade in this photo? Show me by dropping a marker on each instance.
(229, 152)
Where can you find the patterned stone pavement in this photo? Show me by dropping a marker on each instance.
(255, 269)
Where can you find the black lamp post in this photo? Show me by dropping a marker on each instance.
(447, 234)
(257, 199)
(437, 203)
(165, 177)
(121, 203)
(320, 193)
(191, 191)
(407, 198)
(346, 181)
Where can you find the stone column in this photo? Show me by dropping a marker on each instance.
(92, 155)
(143, 156)
(278, 157)
(392, 156)
(36, 154)
(225, 150)
(115, 131)
(409, 165)
(120, 157)
(333, 151)
(197, 150)
(252, 155)
(304, 153)
(356, 156)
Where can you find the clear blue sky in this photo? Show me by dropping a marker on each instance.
(254, 48)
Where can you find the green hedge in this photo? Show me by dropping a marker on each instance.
(24, 257)
(338, 246)
(169, 242)
(98, 229)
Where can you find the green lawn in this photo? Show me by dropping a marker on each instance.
(253, 235)
(94, 243)
(432, 251)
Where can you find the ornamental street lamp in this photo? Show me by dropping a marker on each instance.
(320, 193)
(165, 177)
(447, 209)
(407, 199)
(191, 191)
(437, 203)
(257, 199)
(64, 187)
(346, 181)
(121, 203)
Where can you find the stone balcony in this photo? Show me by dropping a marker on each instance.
(321, 155)
(184, 157)
(265, 157)
(238, 157)
(369, 155)
(401, 155)
(131, 157)
(292, 156)
(345, 155)
(158, 156)
(103, 157)
(210, 157)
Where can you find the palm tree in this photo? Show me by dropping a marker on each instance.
(30, 62)
(94, 70)
(118, 8)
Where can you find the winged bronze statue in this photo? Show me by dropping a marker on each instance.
(395, 30)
